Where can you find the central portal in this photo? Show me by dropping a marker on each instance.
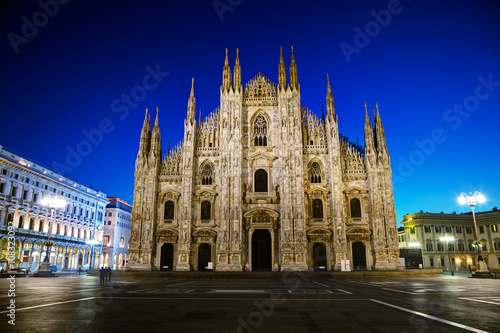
(261, 251)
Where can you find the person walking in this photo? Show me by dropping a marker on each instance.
(79, 270)
(102, 275)
(109, 274)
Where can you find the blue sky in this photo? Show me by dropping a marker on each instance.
(433, 67)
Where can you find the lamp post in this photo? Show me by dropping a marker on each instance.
(448, 239)
(52, 202)
(471, 200)
(92, 242)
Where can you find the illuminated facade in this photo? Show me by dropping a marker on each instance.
(262, 183)
(116, 233)
(426, 229)
(23, 184)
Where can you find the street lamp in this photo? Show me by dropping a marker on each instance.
(471, 200)
(448, 239)
(51, 202)
(92, 242)
(413, 244)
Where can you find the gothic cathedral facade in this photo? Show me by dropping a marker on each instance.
(262, 183)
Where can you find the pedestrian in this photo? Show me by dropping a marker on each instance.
(102, 275)
(79, 270)
(109, 274)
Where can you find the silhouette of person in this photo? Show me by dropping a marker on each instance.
(102, 275)
(109, 274)
(79, 270)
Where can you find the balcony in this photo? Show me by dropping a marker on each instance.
(262, 197)
(316, 222)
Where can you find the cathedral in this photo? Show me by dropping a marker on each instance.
(263, 184)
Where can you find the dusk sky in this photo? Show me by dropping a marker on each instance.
(432, 66)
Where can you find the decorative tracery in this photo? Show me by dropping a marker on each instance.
(171, 165)
(314, 133)
(260, 89)
(207, 175)
(352, 156)
(208, 130)
(260, 131)
(315, 173)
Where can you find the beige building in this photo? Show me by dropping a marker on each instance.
(263, 183)
(426, 229)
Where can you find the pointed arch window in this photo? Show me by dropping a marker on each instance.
(317, 209)
(206, 210)
(260, 131)
(21, 222)
(260, 180)
(207, 175)
(32, 224)
(315, 173)
(169, 210)
(58, 229)
(40, 226)
(355, 208)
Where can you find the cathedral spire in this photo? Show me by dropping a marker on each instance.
(156, 120)
(226, 75)
(369, 143)
(237, 72)
(145, 135)
(191, 110)
(294, 83)
(145, 119)
(330, 105)
(282, 72)
(155, 150)
(381, 145)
